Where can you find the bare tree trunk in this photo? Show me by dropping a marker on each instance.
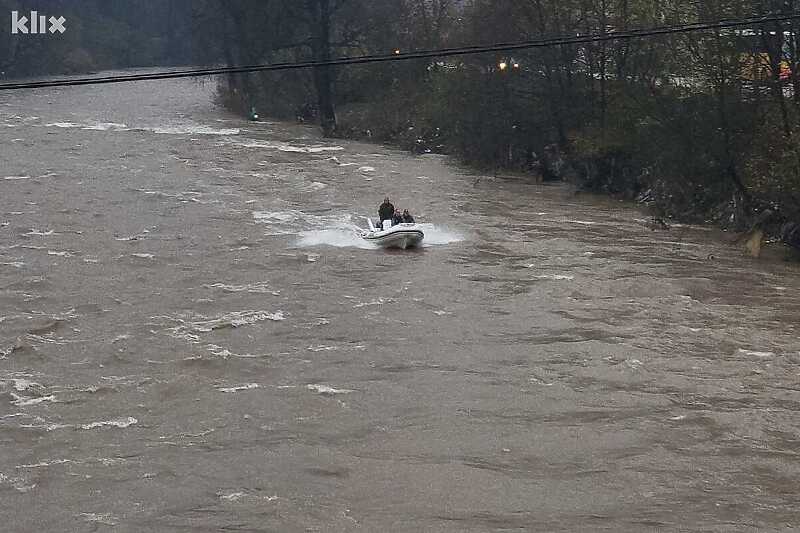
(603, 66)
(555, 94)
(722, 108)
(320, 11)
(235, 53)
(621, 52)
(774, 48)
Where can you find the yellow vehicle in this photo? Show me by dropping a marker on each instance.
(757, 67)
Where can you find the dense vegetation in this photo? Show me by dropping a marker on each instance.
(703, 125)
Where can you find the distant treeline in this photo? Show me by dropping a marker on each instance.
(703, 126)
(101, 35)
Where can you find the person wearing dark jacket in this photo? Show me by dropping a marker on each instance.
(385, 211)
(407, 218)
(397, 218)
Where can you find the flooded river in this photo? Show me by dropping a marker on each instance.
(193, 338)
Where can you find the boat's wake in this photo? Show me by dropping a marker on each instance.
(349, 236)
(342, 230)
(336, 237)
(439, 236)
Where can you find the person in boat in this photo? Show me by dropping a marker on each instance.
(385, 211)
(407, 218)
(397, 218)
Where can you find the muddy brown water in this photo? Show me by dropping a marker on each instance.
(194, 338)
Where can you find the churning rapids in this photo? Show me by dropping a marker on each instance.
(193, 338)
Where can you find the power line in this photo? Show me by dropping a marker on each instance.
(421, 54)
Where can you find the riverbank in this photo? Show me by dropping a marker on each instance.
(665, 207)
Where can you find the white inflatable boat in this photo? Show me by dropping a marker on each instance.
(400, 236)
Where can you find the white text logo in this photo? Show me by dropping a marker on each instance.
(36, 24)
